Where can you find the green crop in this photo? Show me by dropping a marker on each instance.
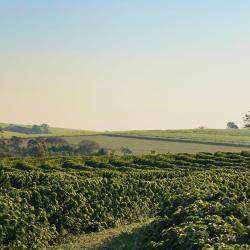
(201, 201)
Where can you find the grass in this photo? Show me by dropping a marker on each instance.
(141, 146)
(128, 237)
(237, 136)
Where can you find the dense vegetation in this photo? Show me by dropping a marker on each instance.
(35, 129)
(200, 200)
(47, 146)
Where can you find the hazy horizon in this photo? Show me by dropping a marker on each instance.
(116, 65)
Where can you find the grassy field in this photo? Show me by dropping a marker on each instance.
(54, 132)
(142, 146)
(236, 136)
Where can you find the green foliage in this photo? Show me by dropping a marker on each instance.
(35, 129)
(201, 201)
(47, 146)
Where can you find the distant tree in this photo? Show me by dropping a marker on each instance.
(126, 151)
(232, 125)
(16, 143)
(3, 149)
(88, 147)
(152, 151)
(37, 150)
(45, 128)
(2, 143)
(201, 127)
(18, 129)
(32, 142)
(1, 133)
(246, 120)
(36, 147)
(36, 129)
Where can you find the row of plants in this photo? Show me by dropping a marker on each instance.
(209, 210)
(201, 201)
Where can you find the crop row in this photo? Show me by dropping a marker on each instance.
(200, 201)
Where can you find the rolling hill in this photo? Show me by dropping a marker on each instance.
(145, 141)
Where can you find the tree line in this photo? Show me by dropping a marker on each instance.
(246, 121)
(48, 146)
(17, 146)
(35, 129)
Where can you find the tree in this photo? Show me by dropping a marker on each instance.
(37, 150)
(16, 144)
(36, 129)
(88, 147)
(246, 120)
(232, 125)
(1, 133)
(201, 127)
(45, 128)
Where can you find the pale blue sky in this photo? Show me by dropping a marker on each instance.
(124, 64)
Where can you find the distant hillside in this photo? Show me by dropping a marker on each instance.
(25, 131)
(222, 136)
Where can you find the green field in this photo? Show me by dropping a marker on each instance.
(236, 136)
(141, 146)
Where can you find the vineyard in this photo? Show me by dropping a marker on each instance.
(199, 201)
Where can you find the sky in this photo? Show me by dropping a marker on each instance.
(124, 64)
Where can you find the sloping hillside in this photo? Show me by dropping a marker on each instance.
(227, 136)
(52, 132)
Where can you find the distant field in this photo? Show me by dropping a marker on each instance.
(142, 146)
(189, 140)
(235, 136)
(54, 132)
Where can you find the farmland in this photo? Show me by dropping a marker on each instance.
(198, 201)
(145, 141)
(145, 146)
(226, 136)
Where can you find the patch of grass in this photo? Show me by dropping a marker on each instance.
(127, 237)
